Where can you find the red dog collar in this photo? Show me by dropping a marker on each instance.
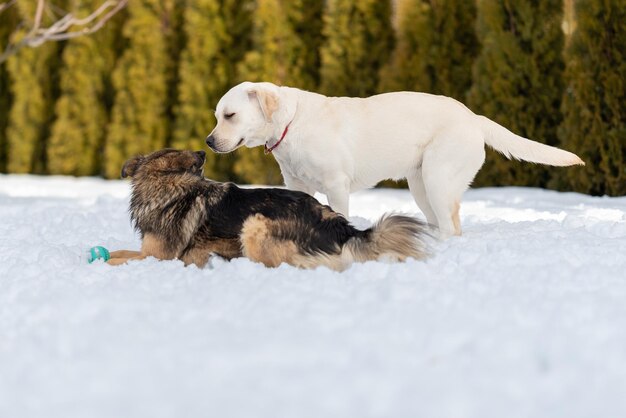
(273, 147)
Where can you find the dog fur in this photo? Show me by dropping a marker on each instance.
(182, 215)
(338, 145)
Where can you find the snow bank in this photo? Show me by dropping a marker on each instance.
(523, 316)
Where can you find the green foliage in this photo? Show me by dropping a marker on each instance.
(8, 22)
(594, 124)
(285, 41)
(306, 16)
(280, 54)
(139, 117)
(207, 71)
(436, 46)
(359, 38)
(78, 134)
(34, 81)
(518, 80)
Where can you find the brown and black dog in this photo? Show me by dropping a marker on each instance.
(182, 215)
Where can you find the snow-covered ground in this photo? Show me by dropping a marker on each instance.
(523, 316)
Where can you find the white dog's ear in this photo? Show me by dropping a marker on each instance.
(266, 99)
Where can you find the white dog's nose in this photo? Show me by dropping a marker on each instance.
(210, 141)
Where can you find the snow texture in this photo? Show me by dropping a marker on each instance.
(522, 316)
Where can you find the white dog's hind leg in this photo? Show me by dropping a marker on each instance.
(416, 186)
(449, 165)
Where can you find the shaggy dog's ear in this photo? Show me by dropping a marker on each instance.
(267, 100)
(130, 167)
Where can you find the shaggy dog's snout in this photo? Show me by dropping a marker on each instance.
(198, 166)
(201, 156)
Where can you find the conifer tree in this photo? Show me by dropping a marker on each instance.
(141, 79)
(287, 35)
(435, 49)
(280, 53)
(518, 80)
(207, 70)
(306, 16)
(358, 42)
(34, 88)
(75, 146)
(594, 124)
(8, 22)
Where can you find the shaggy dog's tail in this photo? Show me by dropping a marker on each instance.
(392, 238)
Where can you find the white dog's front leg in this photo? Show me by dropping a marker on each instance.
(338, 195)
(339, 202)
(296, 184)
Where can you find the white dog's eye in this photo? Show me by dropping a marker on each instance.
(228, 115)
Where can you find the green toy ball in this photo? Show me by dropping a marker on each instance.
(97, 253)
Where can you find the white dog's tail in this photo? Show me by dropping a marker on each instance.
(520, 148)
(393, 238)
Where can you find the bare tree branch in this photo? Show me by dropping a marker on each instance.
(5, 5)
(38, 16)
(66, 27)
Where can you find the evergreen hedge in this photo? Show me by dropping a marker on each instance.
(152, 77)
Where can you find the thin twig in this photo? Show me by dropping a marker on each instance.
(59, 30)
(6, 5)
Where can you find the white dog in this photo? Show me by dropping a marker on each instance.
(338, 145)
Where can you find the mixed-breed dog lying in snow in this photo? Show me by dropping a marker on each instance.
(331, 145)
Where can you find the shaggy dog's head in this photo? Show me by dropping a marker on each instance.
(164, 162)
(249, 114)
